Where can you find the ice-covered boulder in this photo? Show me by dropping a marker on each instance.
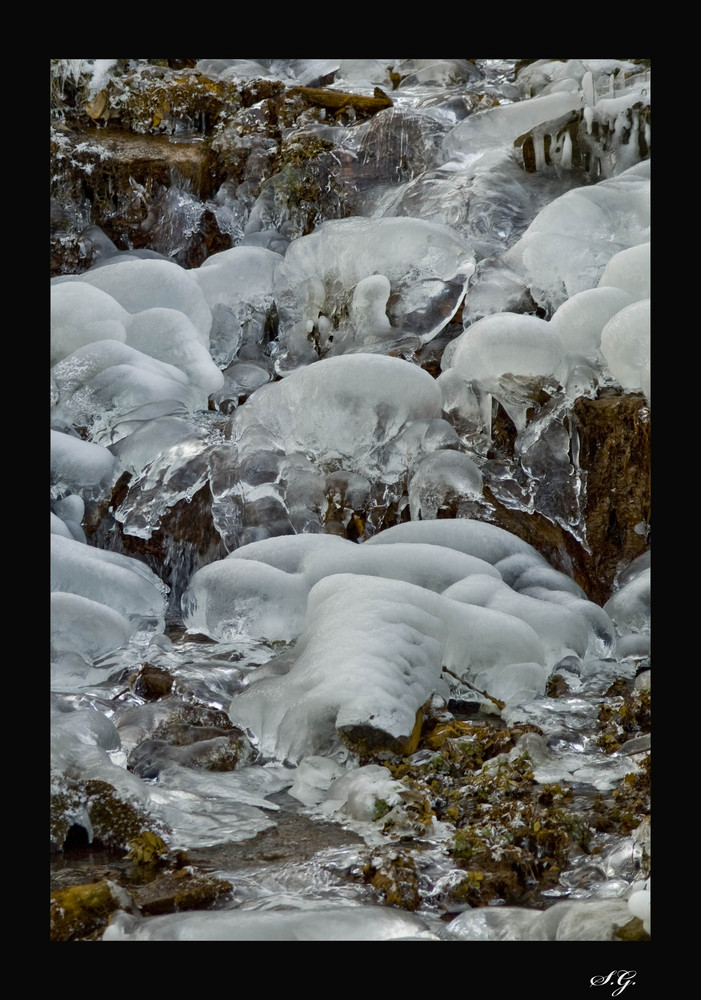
(170, 335)
(561, 630)
(144, 284)
(629, 270)
(231, 599)
(569, 243)
(110, 388)
(84, 626)
(81, 314)
(370, 657)
(512, 357)
(335, 923)
(78, 465)
(625, 345)
(238, 287)
(119, 582)
(630, 609)
(260, 590)
(581, 318)
(358, 281)
(444, 480)
(476, 538)
(342, 411)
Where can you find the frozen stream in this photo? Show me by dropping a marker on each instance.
(292, 648)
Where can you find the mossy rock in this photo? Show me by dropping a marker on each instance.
(181, 890)
(371, 744)
(337, 100)
(81, 912)
(393, 874)
(106, 817)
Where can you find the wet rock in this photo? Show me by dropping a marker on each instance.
(613, 434)
(181, 890)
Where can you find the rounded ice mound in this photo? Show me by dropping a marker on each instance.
(445, 479)
(110, 387)
(581, 318)
(81, 625)
(370, 656)
(260, 590)
(630, 271)
(344, 923)
(625, 345)
(511, 356)
(561, 631)
(477, 538)
(169, 335)
(77, 465)
(567, 246)
(110, 578)
(81, 314)
(507, 343)
(67, 516)
(236, 598)
(425, 264)
(238, 287)
(342, 411)
(629, 607)
(143, 284)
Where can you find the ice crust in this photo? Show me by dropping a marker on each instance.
(325, 923)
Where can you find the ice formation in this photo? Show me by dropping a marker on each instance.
(581, 318)
(326, 923)
(333, 289)
(625, 344)
(372, 670)
(238, 287)
(569, 243)
(260, 590)
(283, 376)
(124, 584)
(468, 596)
(144, 284)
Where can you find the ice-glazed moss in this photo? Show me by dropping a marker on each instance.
(395, 877)
(105, 817)
(624, 715)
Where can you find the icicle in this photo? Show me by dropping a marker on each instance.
(589, 95)
(566, 157)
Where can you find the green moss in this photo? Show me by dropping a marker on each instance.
(147, 849)
(81, 911)
(381, 808)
